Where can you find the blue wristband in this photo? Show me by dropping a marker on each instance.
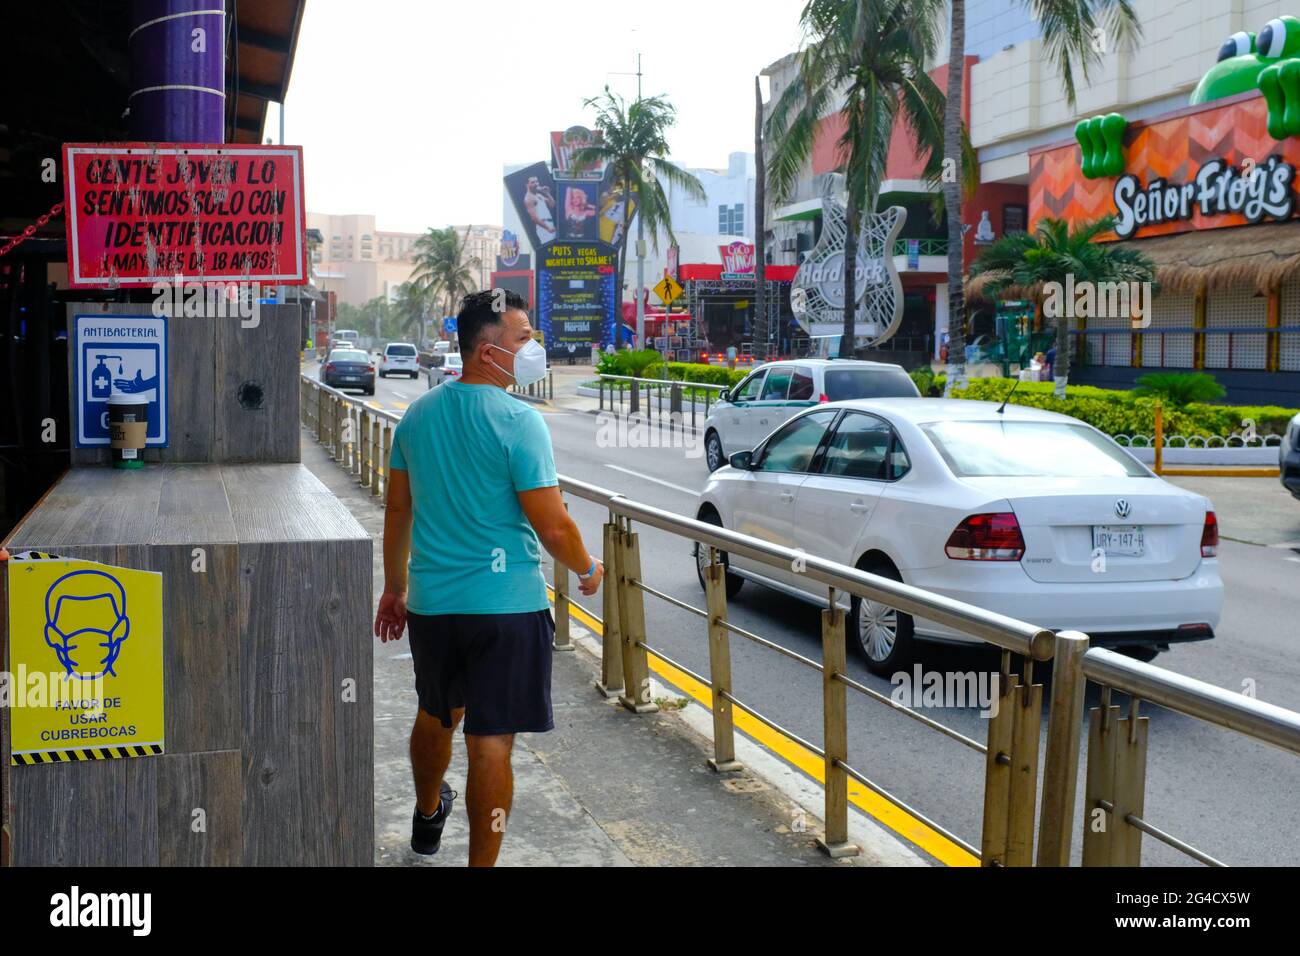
(590, 571)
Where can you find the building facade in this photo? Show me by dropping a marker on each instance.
(1231, 319)
(357, 261)
(484, 244)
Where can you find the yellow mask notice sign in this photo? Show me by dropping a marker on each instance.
(85, 678)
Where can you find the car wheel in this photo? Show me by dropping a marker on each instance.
(881, 634)
(1140, 652)
(734, 581)
(713, 456)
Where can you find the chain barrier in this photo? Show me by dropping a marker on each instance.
(30, 231)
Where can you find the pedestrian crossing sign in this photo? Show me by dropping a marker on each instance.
(668, 290)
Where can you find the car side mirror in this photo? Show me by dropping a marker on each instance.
(724, 395)
(742, 460)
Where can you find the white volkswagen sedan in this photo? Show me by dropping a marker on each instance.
(1021, 511)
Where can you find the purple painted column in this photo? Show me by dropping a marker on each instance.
(178, 58)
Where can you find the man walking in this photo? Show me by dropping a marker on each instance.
(472, 499)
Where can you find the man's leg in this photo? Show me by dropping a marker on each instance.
(430, 757)
(489, 791)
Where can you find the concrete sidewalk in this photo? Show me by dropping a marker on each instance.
(606, 787)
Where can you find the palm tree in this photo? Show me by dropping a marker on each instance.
(1026, 265)
(1073, 31)
(444, 269)
(634, 144)
(869, 57)
(410, 308)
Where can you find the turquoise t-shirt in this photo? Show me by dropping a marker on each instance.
(468, 450)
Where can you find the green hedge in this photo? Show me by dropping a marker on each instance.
(648, 364)
(705, 374)
(1122, 413)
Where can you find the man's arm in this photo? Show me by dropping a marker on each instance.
(390, 621)
(544, 508)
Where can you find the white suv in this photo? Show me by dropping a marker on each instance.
(776, 391)
(399, 357)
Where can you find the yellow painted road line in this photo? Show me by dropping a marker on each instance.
(1220, 472)
(875, 806)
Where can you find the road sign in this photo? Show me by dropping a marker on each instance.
(449, 325)
(90, 636)
(125, 354)
(668, 290)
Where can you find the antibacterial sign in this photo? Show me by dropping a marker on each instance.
(126, 354)
(142, 212)
(85, 660)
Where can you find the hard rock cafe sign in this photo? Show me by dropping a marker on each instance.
(817, 295)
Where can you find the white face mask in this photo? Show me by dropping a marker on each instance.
(530, 363)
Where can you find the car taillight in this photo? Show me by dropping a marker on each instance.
(329, 366)
(1210, 536)
(823, 397)
(372, 368)
(986, 537)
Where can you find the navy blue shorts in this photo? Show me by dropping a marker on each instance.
(496, 666)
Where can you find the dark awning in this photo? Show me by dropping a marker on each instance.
(68, 72)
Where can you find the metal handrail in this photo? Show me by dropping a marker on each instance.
(1075, 663)
(997, 629)
(1261, 721)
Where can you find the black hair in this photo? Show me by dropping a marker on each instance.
(480, 309)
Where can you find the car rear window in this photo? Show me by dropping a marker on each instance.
(453, 360)
(998, 449)
(846, 383)
(349, 355)
(406, 350)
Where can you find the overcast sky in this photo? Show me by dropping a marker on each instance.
(407, 109)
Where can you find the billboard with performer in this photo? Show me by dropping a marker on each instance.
(532, 190)
(576, 296)
(575, 217)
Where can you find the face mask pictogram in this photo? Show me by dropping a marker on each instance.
(86, 611)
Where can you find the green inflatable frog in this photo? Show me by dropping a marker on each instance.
(1269, 62)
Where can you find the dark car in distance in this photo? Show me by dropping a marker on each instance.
(1288, 458)
(349, 368)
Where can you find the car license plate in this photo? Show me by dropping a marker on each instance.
(351, 378)
(1118, 539)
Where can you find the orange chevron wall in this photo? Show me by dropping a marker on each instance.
(1172, 147)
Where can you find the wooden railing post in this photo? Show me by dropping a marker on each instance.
(631, 604)
(724, 731)
(1061, 762)
(835, 725)
(611, 642)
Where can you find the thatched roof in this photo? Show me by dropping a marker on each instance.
(1254, 257)
(1251, 257)
(977, 287)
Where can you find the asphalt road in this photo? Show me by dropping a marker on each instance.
(1234, 799)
